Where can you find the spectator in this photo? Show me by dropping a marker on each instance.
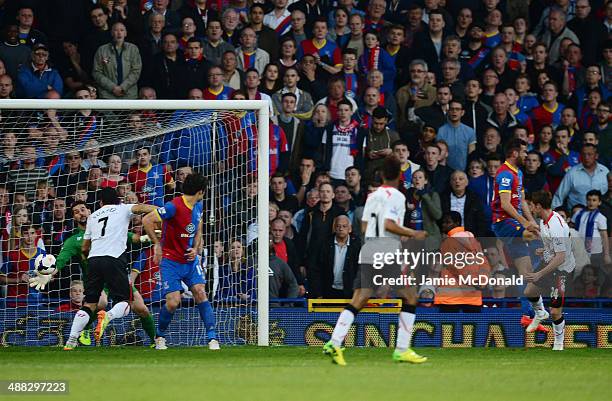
(423, 209)
(379, 140)
(71, 68)
(327, 54)
(172, 18)
(92, 152)
(117, 66)
(317, 225)
(281, 277)
(232, 76)
(593, 228)
(279, 195)
(25, 177)
(20, 262)
(28, 35)
(249, 56)
(215, 89)
(582, 178)
(267, 39)
(438, 175)
(333, 275)
(556, 32)
(151, 42)
(483, 185)
(288, 54)
(534, 178)
(200, 13)
(194, 72)
(560, 159)
(285, 250)
(279, 18)
(549, 112)
(150, 180)
(603, 129)
(355, 41)
(297, 31)
(460, 138)
(77, 294)
(99, 36)
(304, 103)
(237, 278)
(229, 22)
(343, 142)
(38, 78)
(113, 177)
(587, 284)
(293, 128)
(435, 115)
(376, 58)
(500, 117)
(429, 44)
(6, 87)
(214, 47)
(164, 72)
(463, 201)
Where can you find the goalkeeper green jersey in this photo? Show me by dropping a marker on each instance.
(72, 249)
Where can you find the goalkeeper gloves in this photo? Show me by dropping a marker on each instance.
(145, 238)
(40, 281)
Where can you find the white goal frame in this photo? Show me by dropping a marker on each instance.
(261, 107)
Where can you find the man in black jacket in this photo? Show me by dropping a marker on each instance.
(435, 115)
(333, 275)
(464, 201)
(194, 72)
(317, 225)
(286, 251)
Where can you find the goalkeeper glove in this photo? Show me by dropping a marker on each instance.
(40, 281)
(146, 238)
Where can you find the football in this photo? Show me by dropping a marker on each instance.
(45, 264)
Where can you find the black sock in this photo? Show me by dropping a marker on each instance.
(559, 321)
(351, 308)
(409, 308)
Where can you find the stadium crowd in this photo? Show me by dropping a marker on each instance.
(441, 84)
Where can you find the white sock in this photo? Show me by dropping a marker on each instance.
(404, 331)
(342, 327)
(81, 318)
(538, 306)
(120, 309)
(559, 331)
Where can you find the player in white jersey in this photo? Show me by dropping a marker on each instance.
(383, 216)
(104, 245)
(557, 263)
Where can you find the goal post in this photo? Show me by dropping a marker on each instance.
(221, 119)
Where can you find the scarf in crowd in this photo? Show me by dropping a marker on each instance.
(374, 58)
(352, 129)
(590, 227)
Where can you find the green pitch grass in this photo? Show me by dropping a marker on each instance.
(296, 374)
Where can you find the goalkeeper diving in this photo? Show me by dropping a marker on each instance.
(72, 249)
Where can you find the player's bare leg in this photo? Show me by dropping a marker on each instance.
(207, 314)
(407, 316)
(82, 318)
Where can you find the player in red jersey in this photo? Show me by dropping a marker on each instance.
(512, 219)
(179, 250)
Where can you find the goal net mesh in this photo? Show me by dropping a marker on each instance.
(50, 159)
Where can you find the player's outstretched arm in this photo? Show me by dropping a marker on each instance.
(141, 208)
(149, 224)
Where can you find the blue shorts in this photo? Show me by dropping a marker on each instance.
(172, 273)
(511, 233)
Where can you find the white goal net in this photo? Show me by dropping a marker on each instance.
(54, 154)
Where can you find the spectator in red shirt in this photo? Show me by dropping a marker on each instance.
(77, 294)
